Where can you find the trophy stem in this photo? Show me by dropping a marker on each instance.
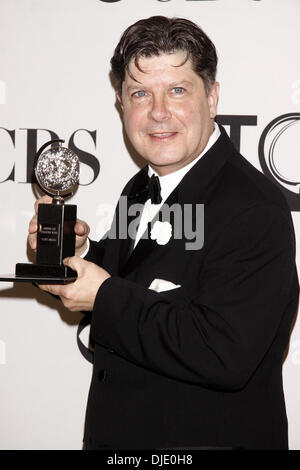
(58, 200)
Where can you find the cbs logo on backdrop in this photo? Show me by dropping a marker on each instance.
(21, 145)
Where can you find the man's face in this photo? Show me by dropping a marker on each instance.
(167, 115)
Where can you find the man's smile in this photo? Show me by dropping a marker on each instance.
(162, 136)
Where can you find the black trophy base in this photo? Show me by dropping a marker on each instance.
(41, 274)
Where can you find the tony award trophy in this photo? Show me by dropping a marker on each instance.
(57, 174)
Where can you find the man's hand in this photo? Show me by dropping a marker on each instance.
(81, 229)
(79, 295)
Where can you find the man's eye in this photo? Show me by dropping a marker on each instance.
(178, 90)
(139, 94)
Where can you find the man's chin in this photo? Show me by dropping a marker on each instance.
(163, 166)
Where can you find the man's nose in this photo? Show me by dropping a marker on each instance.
(160, 110)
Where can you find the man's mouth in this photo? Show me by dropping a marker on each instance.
(162, 135)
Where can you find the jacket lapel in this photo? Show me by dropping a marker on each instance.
(126, 216)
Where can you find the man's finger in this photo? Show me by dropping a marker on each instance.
(55, 289)
(81, 228)
(33, 225)
(32, 233)
(32, 240)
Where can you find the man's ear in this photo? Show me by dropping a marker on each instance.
(119, 98)
(213, 98)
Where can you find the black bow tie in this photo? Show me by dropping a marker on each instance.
(150, 190)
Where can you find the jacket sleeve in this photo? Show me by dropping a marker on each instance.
(219, 337)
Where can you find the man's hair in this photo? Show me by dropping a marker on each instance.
(161, 35)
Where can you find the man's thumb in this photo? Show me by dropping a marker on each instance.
(74, 262)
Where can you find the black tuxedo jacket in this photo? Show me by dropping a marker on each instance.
(199, 365)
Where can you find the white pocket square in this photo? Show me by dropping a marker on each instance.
(160, 285)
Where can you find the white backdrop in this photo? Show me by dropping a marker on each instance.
(54, 75)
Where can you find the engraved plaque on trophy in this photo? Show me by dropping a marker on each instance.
(57, 174)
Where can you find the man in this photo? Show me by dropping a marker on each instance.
(188, 338)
